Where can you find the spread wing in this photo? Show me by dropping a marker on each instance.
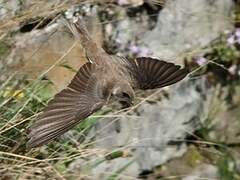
(150, 73)
(80, 99)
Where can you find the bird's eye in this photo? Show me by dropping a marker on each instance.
(126, 95)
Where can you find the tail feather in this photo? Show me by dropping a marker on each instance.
(79, 31)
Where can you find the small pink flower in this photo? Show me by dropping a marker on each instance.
(123, 2)
(237, 32)
(144, 52)
(231, 40)
(201, 61)
(134, 49)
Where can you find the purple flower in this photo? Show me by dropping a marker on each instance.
(201, 61)
(232, 69)
(231, 40)
(123, 2)
(237, 32)
(144, 52)
(134, 49)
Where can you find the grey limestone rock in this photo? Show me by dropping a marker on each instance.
(185, 25)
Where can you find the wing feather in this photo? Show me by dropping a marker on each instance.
(150, 73)
(79, 100)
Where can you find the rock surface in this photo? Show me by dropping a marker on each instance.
(188, 25)
(51, 51)
(150, 129)
(225, 120)
(205, 171)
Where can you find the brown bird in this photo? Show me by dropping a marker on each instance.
(103, 78)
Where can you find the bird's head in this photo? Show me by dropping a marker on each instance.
(123, 93)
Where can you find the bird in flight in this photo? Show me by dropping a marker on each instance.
(102, 78)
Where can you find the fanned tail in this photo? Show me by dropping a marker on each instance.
(80, 32)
